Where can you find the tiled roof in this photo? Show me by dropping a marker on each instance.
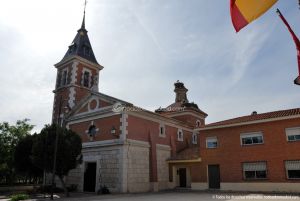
(81, 45)
(257, 117)
(189, 153)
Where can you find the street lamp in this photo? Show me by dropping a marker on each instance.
(59, 123)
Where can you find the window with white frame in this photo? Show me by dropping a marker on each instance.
(194, 138)
(179, 135)
(252, 138)
(292, 134)
(292, 169)
(211, 142)
(162, 130)
(198, 123)
(256, 170)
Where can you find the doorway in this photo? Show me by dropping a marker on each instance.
(89, 184)
(182, 177)
(214, 176)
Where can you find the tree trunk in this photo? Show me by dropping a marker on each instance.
(64, 186)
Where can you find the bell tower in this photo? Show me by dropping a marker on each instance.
(77, 74)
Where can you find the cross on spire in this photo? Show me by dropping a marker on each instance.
(83, 21)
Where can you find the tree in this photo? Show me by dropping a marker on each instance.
(10, 135)
(68, 151)
(23, 162)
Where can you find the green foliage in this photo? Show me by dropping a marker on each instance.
(22, 156)
(19, 197)
(68, 149)
(10, 135)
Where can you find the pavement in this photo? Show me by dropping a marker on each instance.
(175, 196)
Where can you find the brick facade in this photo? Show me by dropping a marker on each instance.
(129, 149)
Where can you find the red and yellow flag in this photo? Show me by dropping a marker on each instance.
(245, 11)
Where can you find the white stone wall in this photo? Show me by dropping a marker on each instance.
(138, 172)
(74, 178)
(163, 152)
(108, 166)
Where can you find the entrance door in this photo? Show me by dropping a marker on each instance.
(182, 177)
(90, 177)
(214, 176)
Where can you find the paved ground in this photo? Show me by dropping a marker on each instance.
(184, 196)
(178, 196)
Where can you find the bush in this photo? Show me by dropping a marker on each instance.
(19, 197)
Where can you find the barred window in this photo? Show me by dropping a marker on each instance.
(292, 169)
(256, 170)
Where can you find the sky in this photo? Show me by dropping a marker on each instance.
(145, 46)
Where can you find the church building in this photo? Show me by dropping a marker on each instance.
(130, 149)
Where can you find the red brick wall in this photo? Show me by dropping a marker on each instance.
(230, 154)
(191, 120)
(104, 125)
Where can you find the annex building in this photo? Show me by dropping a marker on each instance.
(129, 149)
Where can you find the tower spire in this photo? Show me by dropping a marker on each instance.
(83, 20)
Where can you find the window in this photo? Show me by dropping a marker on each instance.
(64, 78)
(211, 142)
(86, 79)
(293, 134)
(162, 132)
(194, 138)
(92, 132)
(179, 135)
(252, 138)
(292, 169)
(198, 123)
(257, 170)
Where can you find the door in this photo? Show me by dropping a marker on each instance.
(89, 177)
(214, 176)
(182, 177)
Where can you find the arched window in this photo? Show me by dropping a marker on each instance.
(86, 79)
(194, 138)
(198, 123)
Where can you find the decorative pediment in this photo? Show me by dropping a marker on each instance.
(93, 103)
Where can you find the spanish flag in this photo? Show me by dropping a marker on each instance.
(245, 11)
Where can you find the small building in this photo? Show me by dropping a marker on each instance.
(130, 149)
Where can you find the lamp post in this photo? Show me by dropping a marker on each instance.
(55, 146)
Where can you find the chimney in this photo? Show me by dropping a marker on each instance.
(180, 91)
(254, 113)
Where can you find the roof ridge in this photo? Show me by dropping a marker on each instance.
(258, 116)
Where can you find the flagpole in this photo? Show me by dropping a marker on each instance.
(296, 40)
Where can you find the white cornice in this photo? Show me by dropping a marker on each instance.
(82, 60)
(192, 113)
(91, 116)
(249, 122)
